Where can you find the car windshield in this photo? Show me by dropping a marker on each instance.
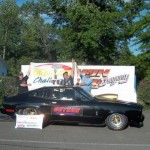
(89, 96)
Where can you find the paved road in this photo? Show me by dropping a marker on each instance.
(65, 137)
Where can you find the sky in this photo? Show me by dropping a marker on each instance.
(133, 48)
(20, 2)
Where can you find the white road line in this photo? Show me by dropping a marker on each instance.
(74, 143)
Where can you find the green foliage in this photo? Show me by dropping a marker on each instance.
(144, 92)
(14, 65)
(125, 58)
(142, 63)
(141, 29)
(10, 24)
(92, 30)
(7, 87)
(96, 31)
(83, 29)
(36, 38)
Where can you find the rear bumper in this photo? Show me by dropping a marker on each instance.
(2, 110)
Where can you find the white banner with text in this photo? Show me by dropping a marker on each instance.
(29, 121)
(119, 80)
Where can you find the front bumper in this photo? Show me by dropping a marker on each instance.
(141, 119)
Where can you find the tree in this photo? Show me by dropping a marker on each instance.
(143, 65)
(143, 92)
(91, 30)
(142, 32)
(38, 35)
(9, 27)
(140, 28)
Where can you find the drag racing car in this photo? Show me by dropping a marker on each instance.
(73, 104)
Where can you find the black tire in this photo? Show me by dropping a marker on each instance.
(116, 121)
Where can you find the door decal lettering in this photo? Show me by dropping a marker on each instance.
(66, 110)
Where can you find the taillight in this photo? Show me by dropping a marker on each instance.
(10, 110)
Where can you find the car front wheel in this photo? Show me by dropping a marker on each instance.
(116, 121)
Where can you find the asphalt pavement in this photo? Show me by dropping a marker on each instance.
(73, 137)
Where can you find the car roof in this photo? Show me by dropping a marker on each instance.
(47, 87)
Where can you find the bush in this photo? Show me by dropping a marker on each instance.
(143, 92)
(7, 87)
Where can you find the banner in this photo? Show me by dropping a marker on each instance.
(118, 80)
(29, 121)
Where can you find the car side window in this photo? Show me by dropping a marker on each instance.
(47, 94)
(55, 94)
(34, 94)
(63, 94)
(41, 93)
(68, 94)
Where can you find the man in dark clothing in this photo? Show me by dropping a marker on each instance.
(22, 82)
(68, 80)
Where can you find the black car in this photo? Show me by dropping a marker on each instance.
(73, 104)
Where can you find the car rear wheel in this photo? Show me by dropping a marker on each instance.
(116, 121)
(33, 111)
(28, 111)
(19, 112)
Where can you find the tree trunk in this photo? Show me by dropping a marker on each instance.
(5, 42)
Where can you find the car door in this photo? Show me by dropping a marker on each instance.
(64, 106)
(90, 108)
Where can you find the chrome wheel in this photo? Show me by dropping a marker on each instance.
(30, 111)
(116, 121)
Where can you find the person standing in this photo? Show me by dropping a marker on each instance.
(68, 80)
(86, 80)
(22, 82)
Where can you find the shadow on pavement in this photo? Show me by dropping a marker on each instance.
(5, 117)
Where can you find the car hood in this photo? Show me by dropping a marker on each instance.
(107, 100)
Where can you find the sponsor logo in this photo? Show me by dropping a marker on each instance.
(113, 80)
(96, 72)
(66, 110)
(100, 77)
